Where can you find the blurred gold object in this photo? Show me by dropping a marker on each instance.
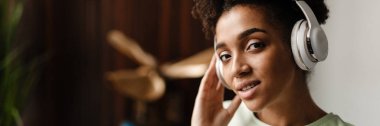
(193, 67)
(145, 83)
(130, 48)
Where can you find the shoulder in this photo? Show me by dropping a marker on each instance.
(330, 120)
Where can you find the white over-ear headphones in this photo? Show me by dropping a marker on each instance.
(308, 41)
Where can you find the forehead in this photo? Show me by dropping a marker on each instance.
(239, 18)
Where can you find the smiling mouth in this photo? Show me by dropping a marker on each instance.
(250, 86)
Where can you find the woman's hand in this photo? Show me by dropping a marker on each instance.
(208, 109)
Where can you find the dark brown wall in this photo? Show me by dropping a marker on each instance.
(72, 33)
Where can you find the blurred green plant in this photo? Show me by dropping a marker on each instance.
(16, 74)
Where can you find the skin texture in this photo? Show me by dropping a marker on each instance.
(253, 52)
(270, 64)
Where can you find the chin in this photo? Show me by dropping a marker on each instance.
(253, 105)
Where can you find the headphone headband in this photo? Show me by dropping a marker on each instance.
(306, 10)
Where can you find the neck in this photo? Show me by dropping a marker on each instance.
(294, 108)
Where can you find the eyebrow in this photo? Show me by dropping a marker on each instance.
(219, 45)
(241, 36)
(249, 32)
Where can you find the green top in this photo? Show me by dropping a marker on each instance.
(244, 117)
(330, 120)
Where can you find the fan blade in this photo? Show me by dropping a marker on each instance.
(138, 84)
(131, 48)
(192, 67)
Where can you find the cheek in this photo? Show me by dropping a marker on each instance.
(275, 67)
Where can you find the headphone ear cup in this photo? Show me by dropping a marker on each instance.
(300, 50)
(319, 43)
(219, 73)
(295, 50)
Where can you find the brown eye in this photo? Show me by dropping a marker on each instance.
(224, 56)
(255, 45)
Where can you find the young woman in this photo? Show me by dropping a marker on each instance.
(254, 50)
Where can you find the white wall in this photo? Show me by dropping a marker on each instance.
(348, 82)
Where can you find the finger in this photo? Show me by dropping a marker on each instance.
(220, 91)
(210, 80)
(234, 105)
(211, 66)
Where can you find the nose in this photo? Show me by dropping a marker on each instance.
(240, 67)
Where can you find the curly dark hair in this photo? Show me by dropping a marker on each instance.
(282, 13)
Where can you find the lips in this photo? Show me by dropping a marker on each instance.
(248, 85)
(246, 90)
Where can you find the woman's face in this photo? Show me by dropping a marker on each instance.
(257, 63)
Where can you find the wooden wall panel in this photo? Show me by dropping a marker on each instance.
(73, 90)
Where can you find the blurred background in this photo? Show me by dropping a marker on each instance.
(69, 39)
(56, 55)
